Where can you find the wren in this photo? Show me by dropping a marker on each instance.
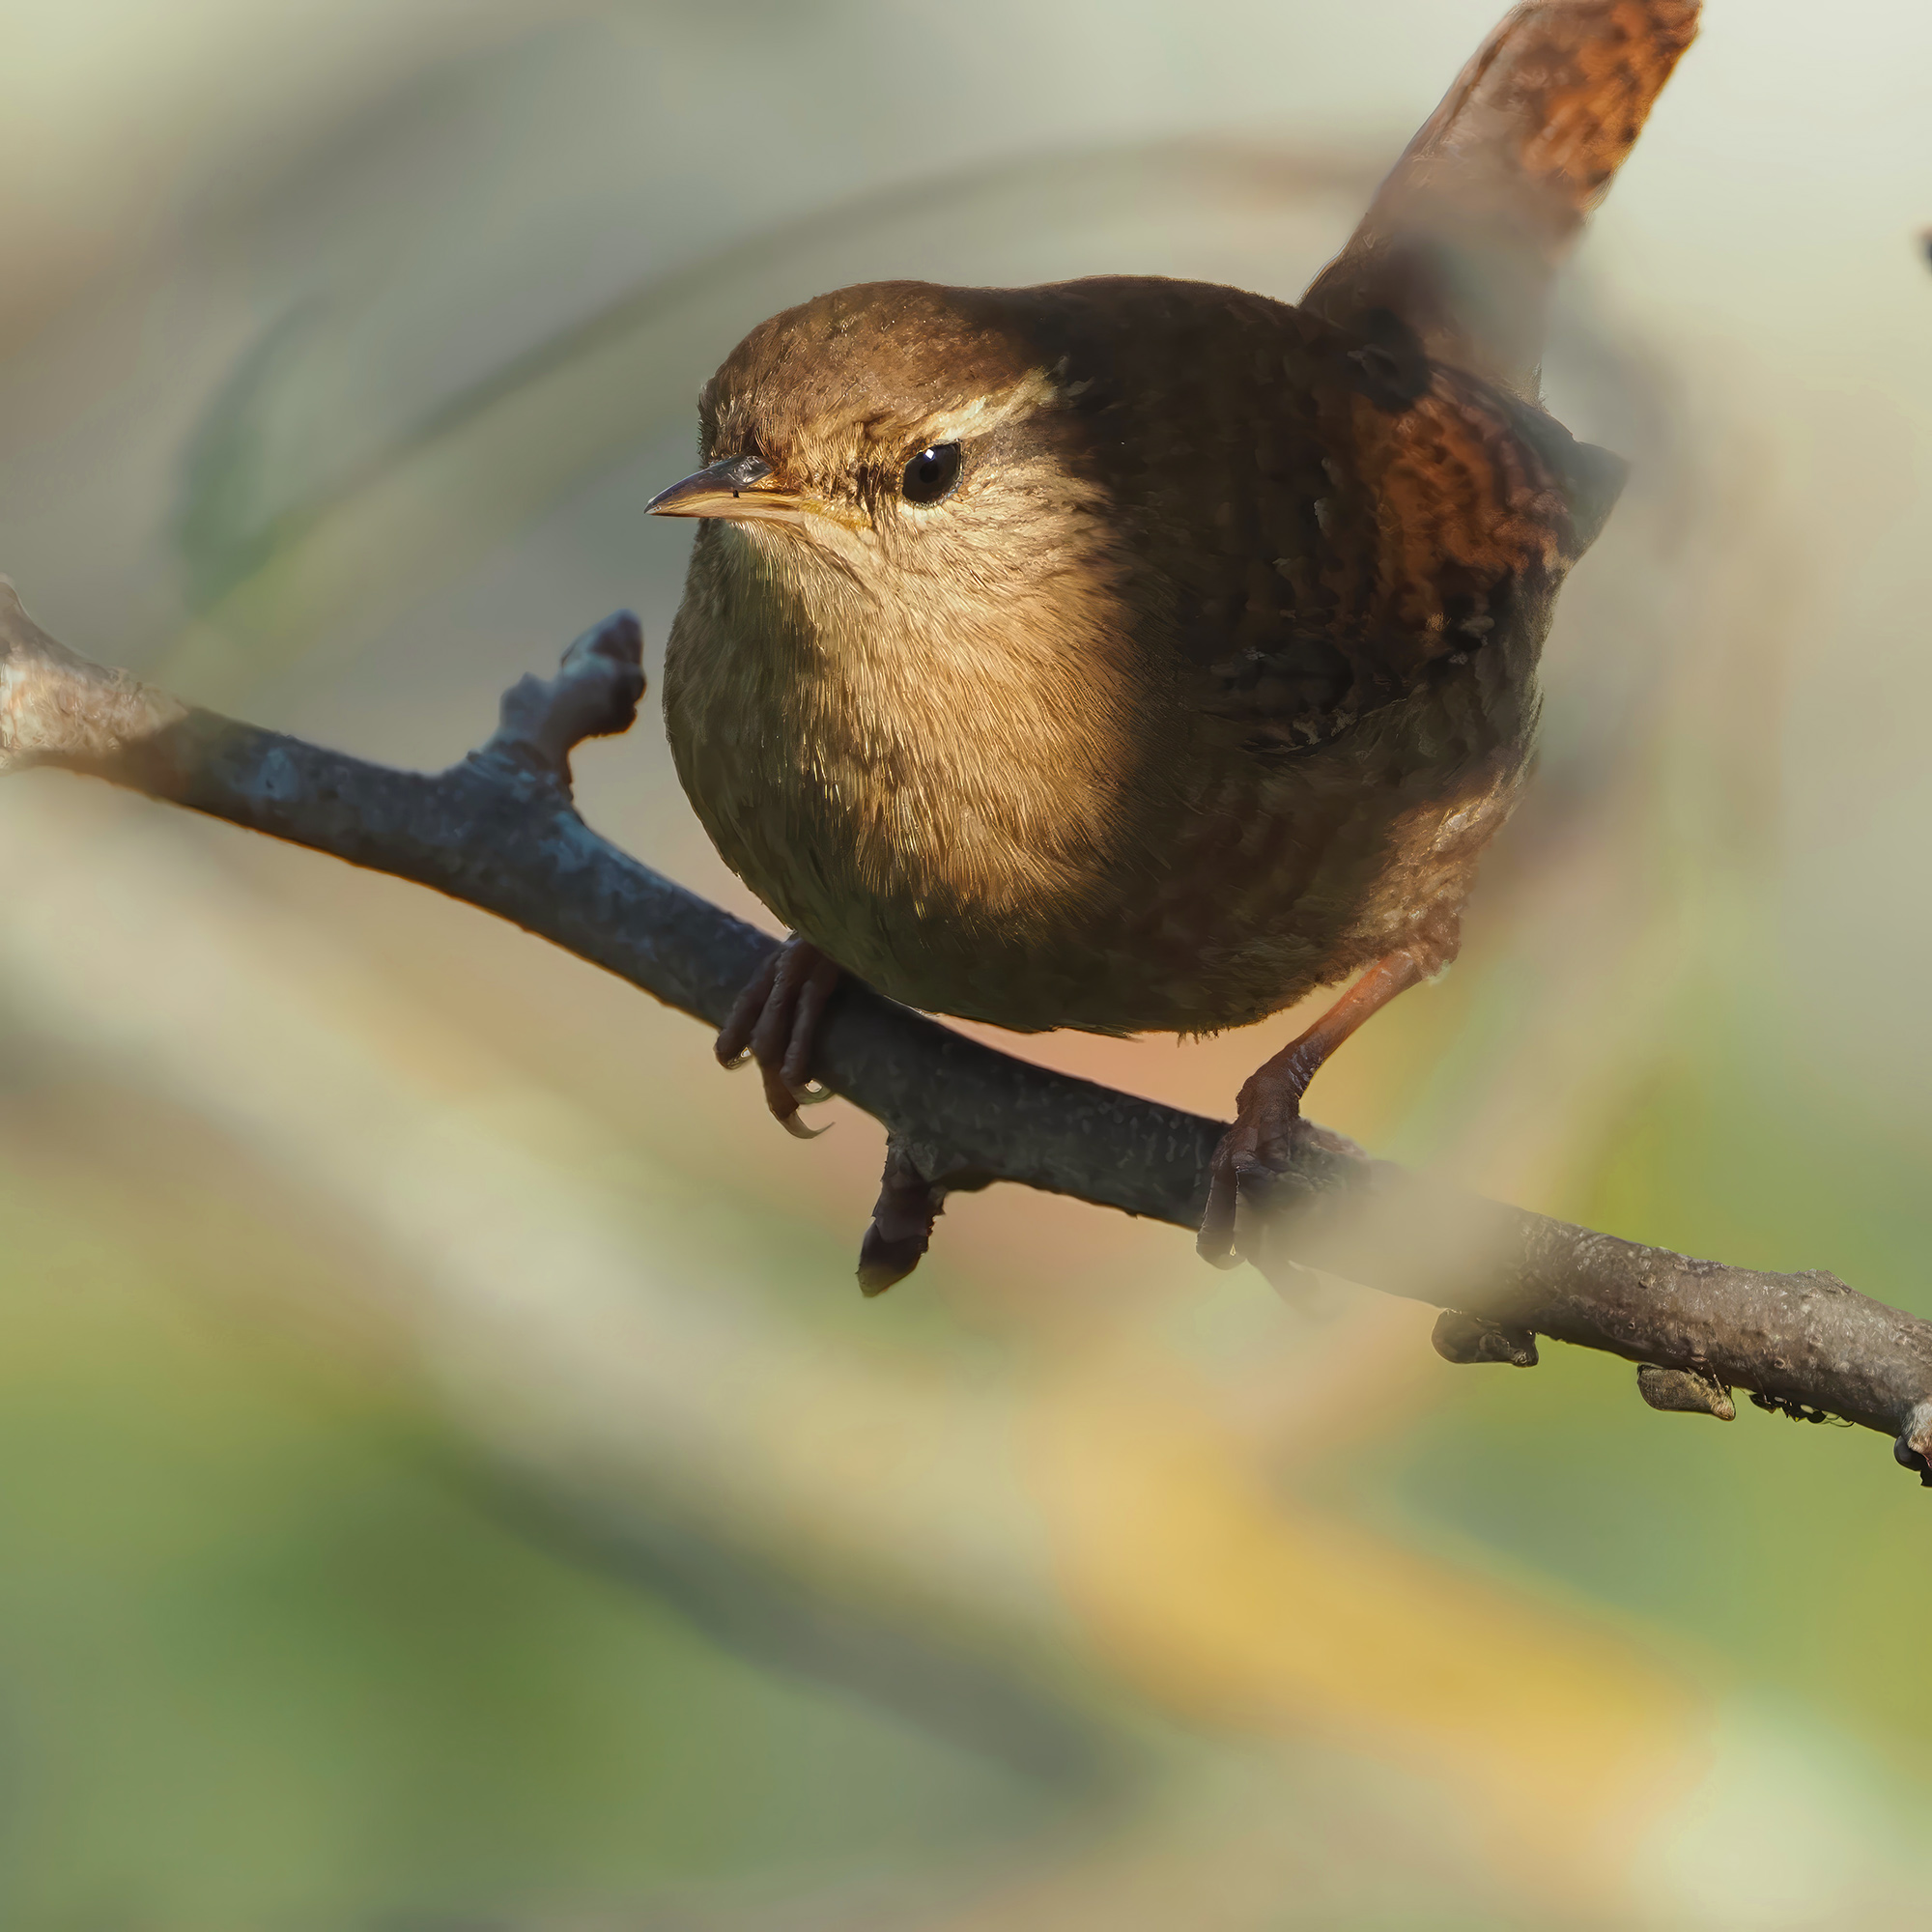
(1139, 655)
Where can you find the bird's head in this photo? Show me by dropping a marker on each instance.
(910, 437)
(908, 581)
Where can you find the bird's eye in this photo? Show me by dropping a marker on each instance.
(932, 473)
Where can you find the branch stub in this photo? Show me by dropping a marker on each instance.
(1468, 1339)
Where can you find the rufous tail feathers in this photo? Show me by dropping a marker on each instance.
(1464, 236)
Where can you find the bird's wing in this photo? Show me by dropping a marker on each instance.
(1445, 494)
(1463, 238)
(1435, 516)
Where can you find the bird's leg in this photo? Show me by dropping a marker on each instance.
(1261, 1140)
(776, 1023)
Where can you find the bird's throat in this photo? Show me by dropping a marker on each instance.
(892, 773)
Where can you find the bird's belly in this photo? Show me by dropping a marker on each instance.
(1260, 889)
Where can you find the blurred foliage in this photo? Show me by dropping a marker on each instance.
(263, 1659)
(454, 1482)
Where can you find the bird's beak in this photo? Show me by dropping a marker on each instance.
(740, 487)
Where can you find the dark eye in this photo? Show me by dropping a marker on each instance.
(931, 473)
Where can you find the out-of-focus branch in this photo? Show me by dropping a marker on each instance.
(500, 831)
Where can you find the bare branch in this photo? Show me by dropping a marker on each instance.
(500, 832)
(59, 709)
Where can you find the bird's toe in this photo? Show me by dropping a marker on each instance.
(774, 1022)
(1242, 1178)
(1237, 1154)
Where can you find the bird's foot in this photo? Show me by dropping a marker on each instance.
(1254, 1153)
(776, 1023)
(1260, 1148)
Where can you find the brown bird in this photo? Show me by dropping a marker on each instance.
(1139, 655)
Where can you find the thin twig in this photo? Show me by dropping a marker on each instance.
(500, 832)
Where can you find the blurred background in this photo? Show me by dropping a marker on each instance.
(448, 1477)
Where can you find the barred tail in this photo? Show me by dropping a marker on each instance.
(1464, 236)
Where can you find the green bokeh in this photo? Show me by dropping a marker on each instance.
(264, 1660)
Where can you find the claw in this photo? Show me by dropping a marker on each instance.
(1216, 1242)
(775, 1021)
(785, 1105)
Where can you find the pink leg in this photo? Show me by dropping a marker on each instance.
(776, 1023)
(1261, 1140)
